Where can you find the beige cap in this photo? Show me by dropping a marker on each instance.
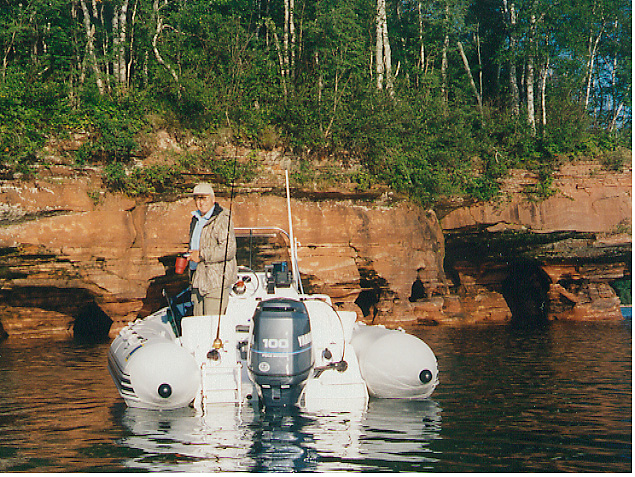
(203, 189)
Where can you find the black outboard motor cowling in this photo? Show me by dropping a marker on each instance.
(280, 351)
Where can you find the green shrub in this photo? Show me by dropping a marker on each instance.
(624, 290)
(139, 181)
(232, 169)
(113, 131)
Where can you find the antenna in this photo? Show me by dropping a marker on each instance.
(294, 251)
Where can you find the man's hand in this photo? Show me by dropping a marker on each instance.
(195, 256)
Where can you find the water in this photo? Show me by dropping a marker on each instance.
(548, 400)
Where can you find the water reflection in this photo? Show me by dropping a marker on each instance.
(281, 442)
(229, 438)
(401, 431)
(184, 440)
(553, 399)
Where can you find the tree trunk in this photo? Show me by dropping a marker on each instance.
(444, 57)
(593, 47)
(480, 61)
(90, 47)
(98, 14)
(316, 57)
(285, 40)
(531, 110)
(614, 84)
(121, 54)
(283, 79)
(159, 29)
(387, 54)
(116, 63)
(379, 47)
(5, 60)
(544, 73)
(292, 34)
(616, 115)
(422, 50)
(131, 43)
(383, 54)
(477, 94)
(289, 39)
(47, 30)
(511, 18)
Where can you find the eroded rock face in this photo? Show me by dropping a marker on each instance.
(588, 199)
(65, 243)
(121, 252)
(572, 246)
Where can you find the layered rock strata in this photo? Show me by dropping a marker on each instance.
(565, 250)
(121, 252)
(65, 243)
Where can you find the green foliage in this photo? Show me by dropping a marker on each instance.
(116, 177)
(113, 128)
(426, 138)
(616, 159)
(168, 178)
(232, 169)
(21, 136)
(137, 181)
(624, 290)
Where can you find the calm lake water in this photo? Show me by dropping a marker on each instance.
(557, 399)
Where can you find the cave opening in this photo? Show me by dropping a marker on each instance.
(90, 323)
(525, 289)
(373, 289)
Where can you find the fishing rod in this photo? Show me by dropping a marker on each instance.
(218, 343)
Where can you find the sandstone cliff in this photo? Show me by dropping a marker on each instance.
(67, 244)
(560, 254)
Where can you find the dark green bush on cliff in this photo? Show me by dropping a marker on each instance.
(112, 126)
(624, 290)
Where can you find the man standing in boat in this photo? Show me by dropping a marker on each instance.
(213, 268)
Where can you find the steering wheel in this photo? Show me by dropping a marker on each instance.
(247, 284)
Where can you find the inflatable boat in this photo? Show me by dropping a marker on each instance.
(275, 346)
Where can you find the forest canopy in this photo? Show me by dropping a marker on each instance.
(433, 98)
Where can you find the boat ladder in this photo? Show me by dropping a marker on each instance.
(220, 384)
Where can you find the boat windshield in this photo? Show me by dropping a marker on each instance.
(257, 247)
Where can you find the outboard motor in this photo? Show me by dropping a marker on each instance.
(280, 351)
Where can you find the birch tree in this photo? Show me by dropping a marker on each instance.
(444, 55)
(531, 110)
(511, 19)
(595, 33)
(160, 26)
(280, 52)
(91, 54)
(544, 74)
(107, 32)
(599, 39)
(468, 71)
(383, 56)
(11, 28)
(422, 49)
(289, 39)
(120, 34)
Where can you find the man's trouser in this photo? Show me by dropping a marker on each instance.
(209, 304)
